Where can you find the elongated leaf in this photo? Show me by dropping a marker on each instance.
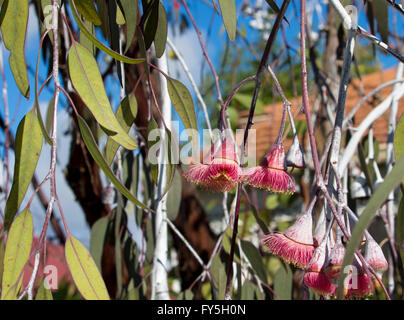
(255, 259)
(174, 197)
(92, 147)
(382, 17)
(84, 41)
(183, 103)
(395, 176)
(13, 29)
(28, 146)
(43, 293)
(283, 283)
(151, 22)
(229, 14)
(18, 248)
(218, 268)
(88, 11)
(160, 38)
(247, 291)
(86, 79)
(99, 44)
(400, 227)
(97, 240)
(84, 271)
(125, 114)
(130, 11)
(399, 138)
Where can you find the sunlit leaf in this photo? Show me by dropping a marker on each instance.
(399, 138)
(88, 11)
(28, 146)
(84, 271)
(99, 44)
(160, 38)
(86, 79)
(229, 14)
(43, 293)
(18, 248)
(183, 103)
(125, 114)
(92, 147)
(13, 30)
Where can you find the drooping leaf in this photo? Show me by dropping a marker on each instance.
(382, 17)
(97, 240)
(160, 38)
(399, 138)
(86, 79)
(400, 227)
(283, 283)
(247, 290)
(120, 19)
(395, 176)
(186, 295)
(99, 44)
(84, 271)
(150, 24)
(42, 293)
(174, 197)
(255, 259)
(85, 41)
(18, 248)
(88, 11)
(229, 14)
(151, 127)
(125, 114)
(130, 11)
(183, 103)
(28, 146)
(92, 147)
(102, 6)
(13, 30)
(218, 268)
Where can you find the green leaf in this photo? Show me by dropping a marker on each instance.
(183, 103)
(382, 17)
(390, 182)
(43, 293)
(125, 114)
(129, 9)
(86, 79)
(91, 145)
(97, 240)
(99, 44)
(219, 272)
(18, 248)
(399, 138)
(247, 290)
(88, 11)
(152, 125)
(120, 19)
(160, 38)
(283, 283)
(84, 271)
(255, 259)
(150, 24)
(229, 14)
(13, 29)
(85, 41)
(174, 197)
(28, 146)
(400, 227)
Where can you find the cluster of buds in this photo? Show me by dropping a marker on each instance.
(321, 257)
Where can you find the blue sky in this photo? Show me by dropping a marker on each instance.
(187, 43)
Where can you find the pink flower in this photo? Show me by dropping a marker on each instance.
(220, 172)
(271, 174)
(315, 278)
(295, 245)
(359, 285)
(334, 264)
(374, 256)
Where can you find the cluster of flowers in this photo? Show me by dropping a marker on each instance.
(322, 258)
(319, 255)
(220, 170)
